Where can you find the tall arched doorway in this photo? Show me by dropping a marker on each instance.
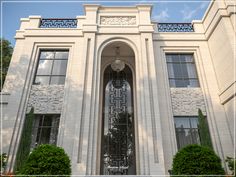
(118, 135)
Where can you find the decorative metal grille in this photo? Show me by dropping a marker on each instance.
(175, 27)
(118, 138)
(58, 23)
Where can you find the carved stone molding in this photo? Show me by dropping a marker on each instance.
(118, 20)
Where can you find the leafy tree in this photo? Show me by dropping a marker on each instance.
(25, 142)
(204, 132)
(47, 160)
(196, 160)
(5, 53)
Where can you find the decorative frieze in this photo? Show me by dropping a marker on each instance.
(187, 101)
(118, 20)
(46, 99)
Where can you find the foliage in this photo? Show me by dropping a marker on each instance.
(5, 53)
(47, 160)
(3, 157)
(25, 142)
(196, 160)
(231, 164)
(204, 132)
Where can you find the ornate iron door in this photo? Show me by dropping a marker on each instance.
(118, 154)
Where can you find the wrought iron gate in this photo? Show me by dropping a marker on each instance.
(118, 157)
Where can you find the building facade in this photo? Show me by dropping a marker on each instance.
(119, 92)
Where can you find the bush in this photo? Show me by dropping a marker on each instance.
(231, 164)
(196, 160)
(3, 158)
(47, 160)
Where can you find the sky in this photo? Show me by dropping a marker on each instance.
(163, 11)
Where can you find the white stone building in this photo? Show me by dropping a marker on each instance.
(119, 92)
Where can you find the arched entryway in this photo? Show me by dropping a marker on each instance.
(118, 128)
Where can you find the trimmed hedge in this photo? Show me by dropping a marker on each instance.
(47, 160)
(197, 160)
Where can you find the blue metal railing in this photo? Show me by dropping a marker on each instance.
(58, 23)
(175, 27)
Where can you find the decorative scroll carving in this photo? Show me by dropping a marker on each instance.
(175, 27)
(118, 20)
(58, 23)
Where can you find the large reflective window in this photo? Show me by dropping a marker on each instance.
(181, 70)
(51, 68)
(118, 143)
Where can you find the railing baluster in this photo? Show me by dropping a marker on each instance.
(58, 23)
(175, 27)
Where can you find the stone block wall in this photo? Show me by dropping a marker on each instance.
(46, 99)
(187, 101)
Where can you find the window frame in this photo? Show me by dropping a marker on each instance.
(181, 63)
(198, 140)
(51, 70)
(37, 129)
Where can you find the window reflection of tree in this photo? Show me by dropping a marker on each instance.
(118, 142)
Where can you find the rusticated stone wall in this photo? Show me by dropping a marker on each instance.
(46, 99)
(187, 101)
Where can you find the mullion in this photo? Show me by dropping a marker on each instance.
(40, 134)
(50, 77)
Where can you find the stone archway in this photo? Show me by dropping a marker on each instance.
(118, 134)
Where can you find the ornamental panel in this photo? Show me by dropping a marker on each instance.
(118, 20)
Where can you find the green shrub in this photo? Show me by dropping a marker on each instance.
(196, 160)
(3, 158)
(47, 160)
(231, 164)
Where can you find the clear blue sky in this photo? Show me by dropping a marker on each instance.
(163, 11)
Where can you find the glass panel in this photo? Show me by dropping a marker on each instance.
(47, 55)
(172, 82)
(45, 135)
(177, 70)
(191, 70)
(57, 80)
(44, 67)
(183, 137)
(180, 83)
(175, 58)
(169, 58)
(195, 136)
(189, 58)
(59, 67)
(182, 123)
(47, 121)
(194, 122)
(184, 71)
(182, 58)
(170, 70)
(193, 83)
(61, 55)
(186, 83)
(54, 130)
(41, 80)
